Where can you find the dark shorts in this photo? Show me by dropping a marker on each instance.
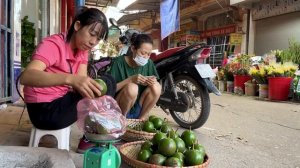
(135, 111)
(58, 114)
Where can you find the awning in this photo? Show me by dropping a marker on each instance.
(146, 8)
(245, 3)
(144, 5)
(127, 19)
(101, 3)
(190, 10)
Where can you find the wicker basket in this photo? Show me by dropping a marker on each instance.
(132, 133)
(130, 150)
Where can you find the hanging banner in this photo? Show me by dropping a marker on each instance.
(169, 16)
(218, 31)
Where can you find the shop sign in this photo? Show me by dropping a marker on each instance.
(218, 32)
(235, 38)
(192, 39)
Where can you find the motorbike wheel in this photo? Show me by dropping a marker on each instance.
(199, 109)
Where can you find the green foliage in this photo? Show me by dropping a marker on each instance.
(228, 75)
(240, 65)
(27, 40)
(292, 54)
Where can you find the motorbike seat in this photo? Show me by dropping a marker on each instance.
(164, 54)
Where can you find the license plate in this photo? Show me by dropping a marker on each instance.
(205, 71)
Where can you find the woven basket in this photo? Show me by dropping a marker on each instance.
(130, 150)
(132, 133)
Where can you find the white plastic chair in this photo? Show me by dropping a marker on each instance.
(62, 136)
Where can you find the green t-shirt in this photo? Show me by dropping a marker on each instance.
(120, 70)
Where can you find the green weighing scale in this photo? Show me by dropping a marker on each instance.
(104, 154)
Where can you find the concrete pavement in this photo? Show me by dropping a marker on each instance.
(241, 132)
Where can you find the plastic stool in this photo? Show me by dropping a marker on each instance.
(62, 136)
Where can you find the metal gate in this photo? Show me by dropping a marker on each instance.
(6, 57)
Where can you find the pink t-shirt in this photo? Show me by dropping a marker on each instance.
(55, 52)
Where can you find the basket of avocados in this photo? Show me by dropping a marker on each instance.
(138, 129)
(147, 155)
(166, 150)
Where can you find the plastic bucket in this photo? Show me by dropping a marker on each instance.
(250, 89)
(230, 86)
(263, 90)
(279, 88)
(222, 86)
(239, 83)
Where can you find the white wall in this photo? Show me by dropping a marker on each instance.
(274, 33)
(252, 32)
(54, 17)
(30, 8)
(16, 51)
(34, 10)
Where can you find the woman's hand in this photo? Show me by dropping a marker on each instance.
(151, 80)
(139, 79)
(86, 86)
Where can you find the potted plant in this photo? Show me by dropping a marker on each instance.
(291, 54)
(240, 66)
(280, 77)
(221, 82)
(228, 77)
(259, 74)
(27, 41)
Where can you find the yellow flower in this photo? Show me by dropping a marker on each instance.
(253, 71)
(279, 70)
(262, 72)
(290, 67)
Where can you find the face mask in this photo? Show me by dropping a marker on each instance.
(140, 61)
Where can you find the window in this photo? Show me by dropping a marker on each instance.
(6, 77)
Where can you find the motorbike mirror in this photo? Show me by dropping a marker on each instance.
(113, 22)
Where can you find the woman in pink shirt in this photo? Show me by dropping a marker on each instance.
(56, 78)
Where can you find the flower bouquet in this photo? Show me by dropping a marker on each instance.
(280, 77)
(287, 69)
(259, 74)
(220, 74)
(240, 65)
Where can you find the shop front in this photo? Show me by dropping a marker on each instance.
(275, 26)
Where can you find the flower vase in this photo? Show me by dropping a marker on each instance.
(222, 86)
(263, 90)
(250, 89)
(230, 86)
(239, 83)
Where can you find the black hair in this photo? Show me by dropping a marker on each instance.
(138, 39)
(127, 36)
(87, 16)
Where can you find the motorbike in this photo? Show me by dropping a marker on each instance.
(186, 81)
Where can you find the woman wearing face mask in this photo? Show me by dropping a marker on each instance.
(136, 77)
(56, 78)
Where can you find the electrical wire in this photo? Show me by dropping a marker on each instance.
(17, 88)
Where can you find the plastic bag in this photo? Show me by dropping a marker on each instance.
(101, 116)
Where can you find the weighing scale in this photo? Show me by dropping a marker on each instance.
(104, 154)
